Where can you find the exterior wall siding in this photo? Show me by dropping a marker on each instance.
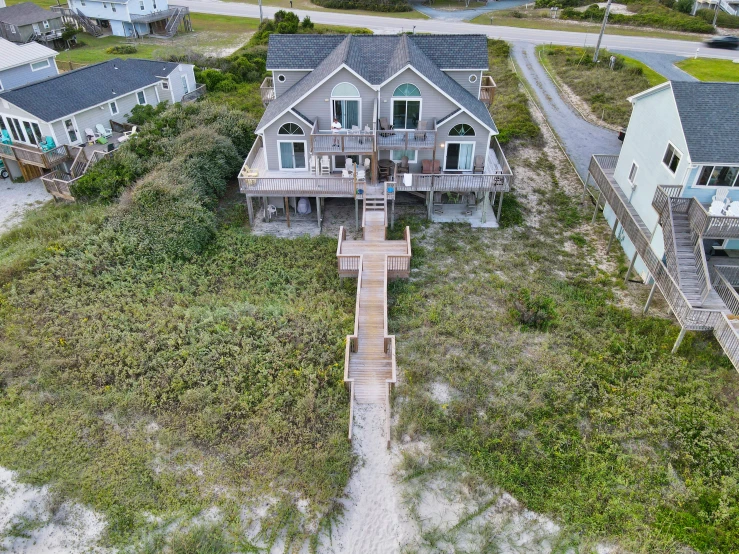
(291, 77)
(271, 137)
(434, 105)
(175, 80)
(463, 78)
(22, 75)
(318, 104)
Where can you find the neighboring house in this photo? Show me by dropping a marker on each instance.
(422, 99)
(127, 18)
(659, 199)
(27, 22)
(66, 106)
(21, 64)
(729, 6)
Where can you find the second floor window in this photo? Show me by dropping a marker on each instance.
(39, 65)
(290, 129)
(406, 106)
(154, 4)
(671, 158)
(632, 173)
(113, 108)
(141, 97)
(462, 130)
(718, 176)
(141, 5)
(46, 24)
(345, 105)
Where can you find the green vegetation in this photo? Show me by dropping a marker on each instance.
(723, 20)
(121, 49)
(592, 422)
(707, 69)
(370, 5)
(510, 108)
(156, 359)
(362, 8)
(605, 90)
(648, 14)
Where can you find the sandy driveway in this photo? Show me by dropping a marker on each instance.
(17, 198)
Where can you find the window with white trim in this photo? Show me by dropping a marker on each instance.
(113, 108)
(39, 65)
(185, 87)
(290, 129)
(632, 172)
(165, 85)
(12, 28)
(397, 155)
(459, 156)
(473, 78)
(141, 97)
(105, 5)
(671, 159)
(112, 7)
(346, 105)
(141, 5)
(71, 131)
(462, 130)
(281, 78)
(406, 106)
(46, 24)
(718, 176)
(292, 154)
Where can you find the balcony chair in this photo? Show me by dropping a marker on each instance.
(325, 165)
(103, 131)
(479, 166)
(385, 126)
(47, 144)
(348, 170)
(128, 134)
(422, 126)
(6, 137)
(402, 167)
(429, 168)
(718, 203)
(90, 135)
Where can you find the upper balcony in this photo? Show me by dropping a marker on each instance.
(408, 139)
(267, 89)
(31, 155)
(487, 90)
(343, 142)
(154, 16)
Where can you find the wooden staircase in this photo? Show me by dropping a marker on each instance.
(369, 365)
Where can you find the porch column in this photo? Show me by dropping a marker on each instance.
(430, 205)
(631, 266)
(287, 211)
(649, 299)
(392, 213)
(250, 210)
(484, 217)
(500, 205)
(356, 211)
(595, 212)
(318, 211)
(613, 234)
(679, 340)
(265, 203)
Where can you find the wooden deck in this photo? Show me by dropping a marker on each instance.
(369, 365)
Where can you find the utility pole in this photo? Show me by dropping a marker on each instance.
(602, 30)
(260, 12)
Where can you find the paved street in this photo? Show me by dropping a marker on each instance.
(380, 24)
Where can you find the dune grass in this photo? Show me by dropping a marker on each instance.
(706, 69)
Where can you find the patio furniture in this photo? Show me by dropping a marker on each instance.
(47, 144)
(479, 166)
(325, 165)
(429, 168)
(91, 135)
(717, 208)
(271, 211)
(128, 134)
(733, 209)
(103, 131)
(403, 166)
(6, 137)
(385, 168)
(385, 126)
(422, 126)
(101, 140)
(721, 194)
(354, 130)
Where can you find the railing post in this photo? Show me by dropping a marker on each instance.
(649, 299)
(679, 340)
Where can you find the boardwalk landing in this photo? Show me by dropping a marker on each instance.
(369, 365)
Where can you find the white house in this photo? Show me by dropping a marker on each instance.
(127, 18)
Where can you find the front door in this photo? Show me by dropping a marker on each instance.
(72, 131)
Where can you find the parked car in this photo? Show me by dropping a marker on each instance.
(731, 43)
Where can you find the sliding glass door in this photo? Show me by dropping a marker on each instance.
(347, 112)
(292, 155)
(459, 156)
(406, 113)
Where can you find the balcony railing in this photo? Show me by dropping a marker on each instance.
(487, 90)
(31, 155)
(701, 222)
(448, 182)
(267, 89)
(193, 94)
(154, 16)
(406, 139)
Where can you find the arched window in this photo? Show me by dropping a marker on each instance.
(345, 105)
(406, 106)
(290, 129)
(407, 89)
(345, 90)
(462, 130)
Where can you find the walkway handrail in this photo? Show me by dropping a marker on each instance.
(725, 278)
(352, 345)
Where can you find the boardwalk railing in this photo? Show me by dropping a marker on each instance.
(348, 264)
(693, 319)
(400, 266)
(352, 345)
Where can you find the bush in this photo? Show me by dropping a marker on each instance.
(723, 20)
(534, 311)
(122, 49)
(287, 22)
(648, 15)
(369, 5)
(141, 114)
(684, 6)
(559, 3)
(307, 23)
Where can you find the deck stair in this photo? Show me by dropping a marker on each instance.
(86, 23)
(175, 20)
(369, 365)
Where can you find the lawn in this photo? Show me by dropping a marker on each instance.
(308, 5)
(505, 18)
(603, 89)
(706, 69)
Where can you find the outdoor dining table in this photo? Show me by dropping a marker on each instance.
(385, 167)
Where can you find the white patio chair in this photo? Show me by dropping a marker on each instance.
(721, 194)
(717, 208)
(103, 131)
(733, 209)
(325, 165)
(128, 134)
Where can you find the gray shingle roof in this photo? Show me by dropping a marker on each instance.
(454, 51)
(375, 58)
(26, 14)
(77, 90)
(709, 113)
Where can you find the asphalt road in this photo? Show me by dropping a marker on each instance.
(380, 24)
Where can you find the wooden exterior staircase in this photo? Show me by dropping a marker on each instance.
(369, 365)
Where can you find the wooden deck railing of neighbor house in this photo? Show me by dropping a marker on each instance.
(487, 90)
(267, 90)
(407, 139)
(57, 184)
(692, 319)
(46, 160)
(194, 94)
(120, 126)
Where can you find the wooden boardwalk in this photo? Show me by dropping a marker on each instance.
(370, 368)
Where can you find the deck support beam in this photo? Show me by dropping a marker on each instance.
(287, 211)
(430, 205)
(250, 210)
(265, 203)
(318, 211)
(356, 211)
(649, 298)
(500, 206)
(484, 217)
(679, 340)
(631, 267)
(613, 235)
(392, 213)
(595, 212)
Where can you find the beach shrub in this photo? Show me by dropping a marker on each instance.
(723, 20)
(122, 49)
(306, 23)
(649, 14)
(369, 5)
(140, 114)
(533, 311)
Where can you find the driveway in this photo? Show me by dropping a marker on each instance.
(476, 9)
(664, 64)
(17, 198)
(580, 138)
